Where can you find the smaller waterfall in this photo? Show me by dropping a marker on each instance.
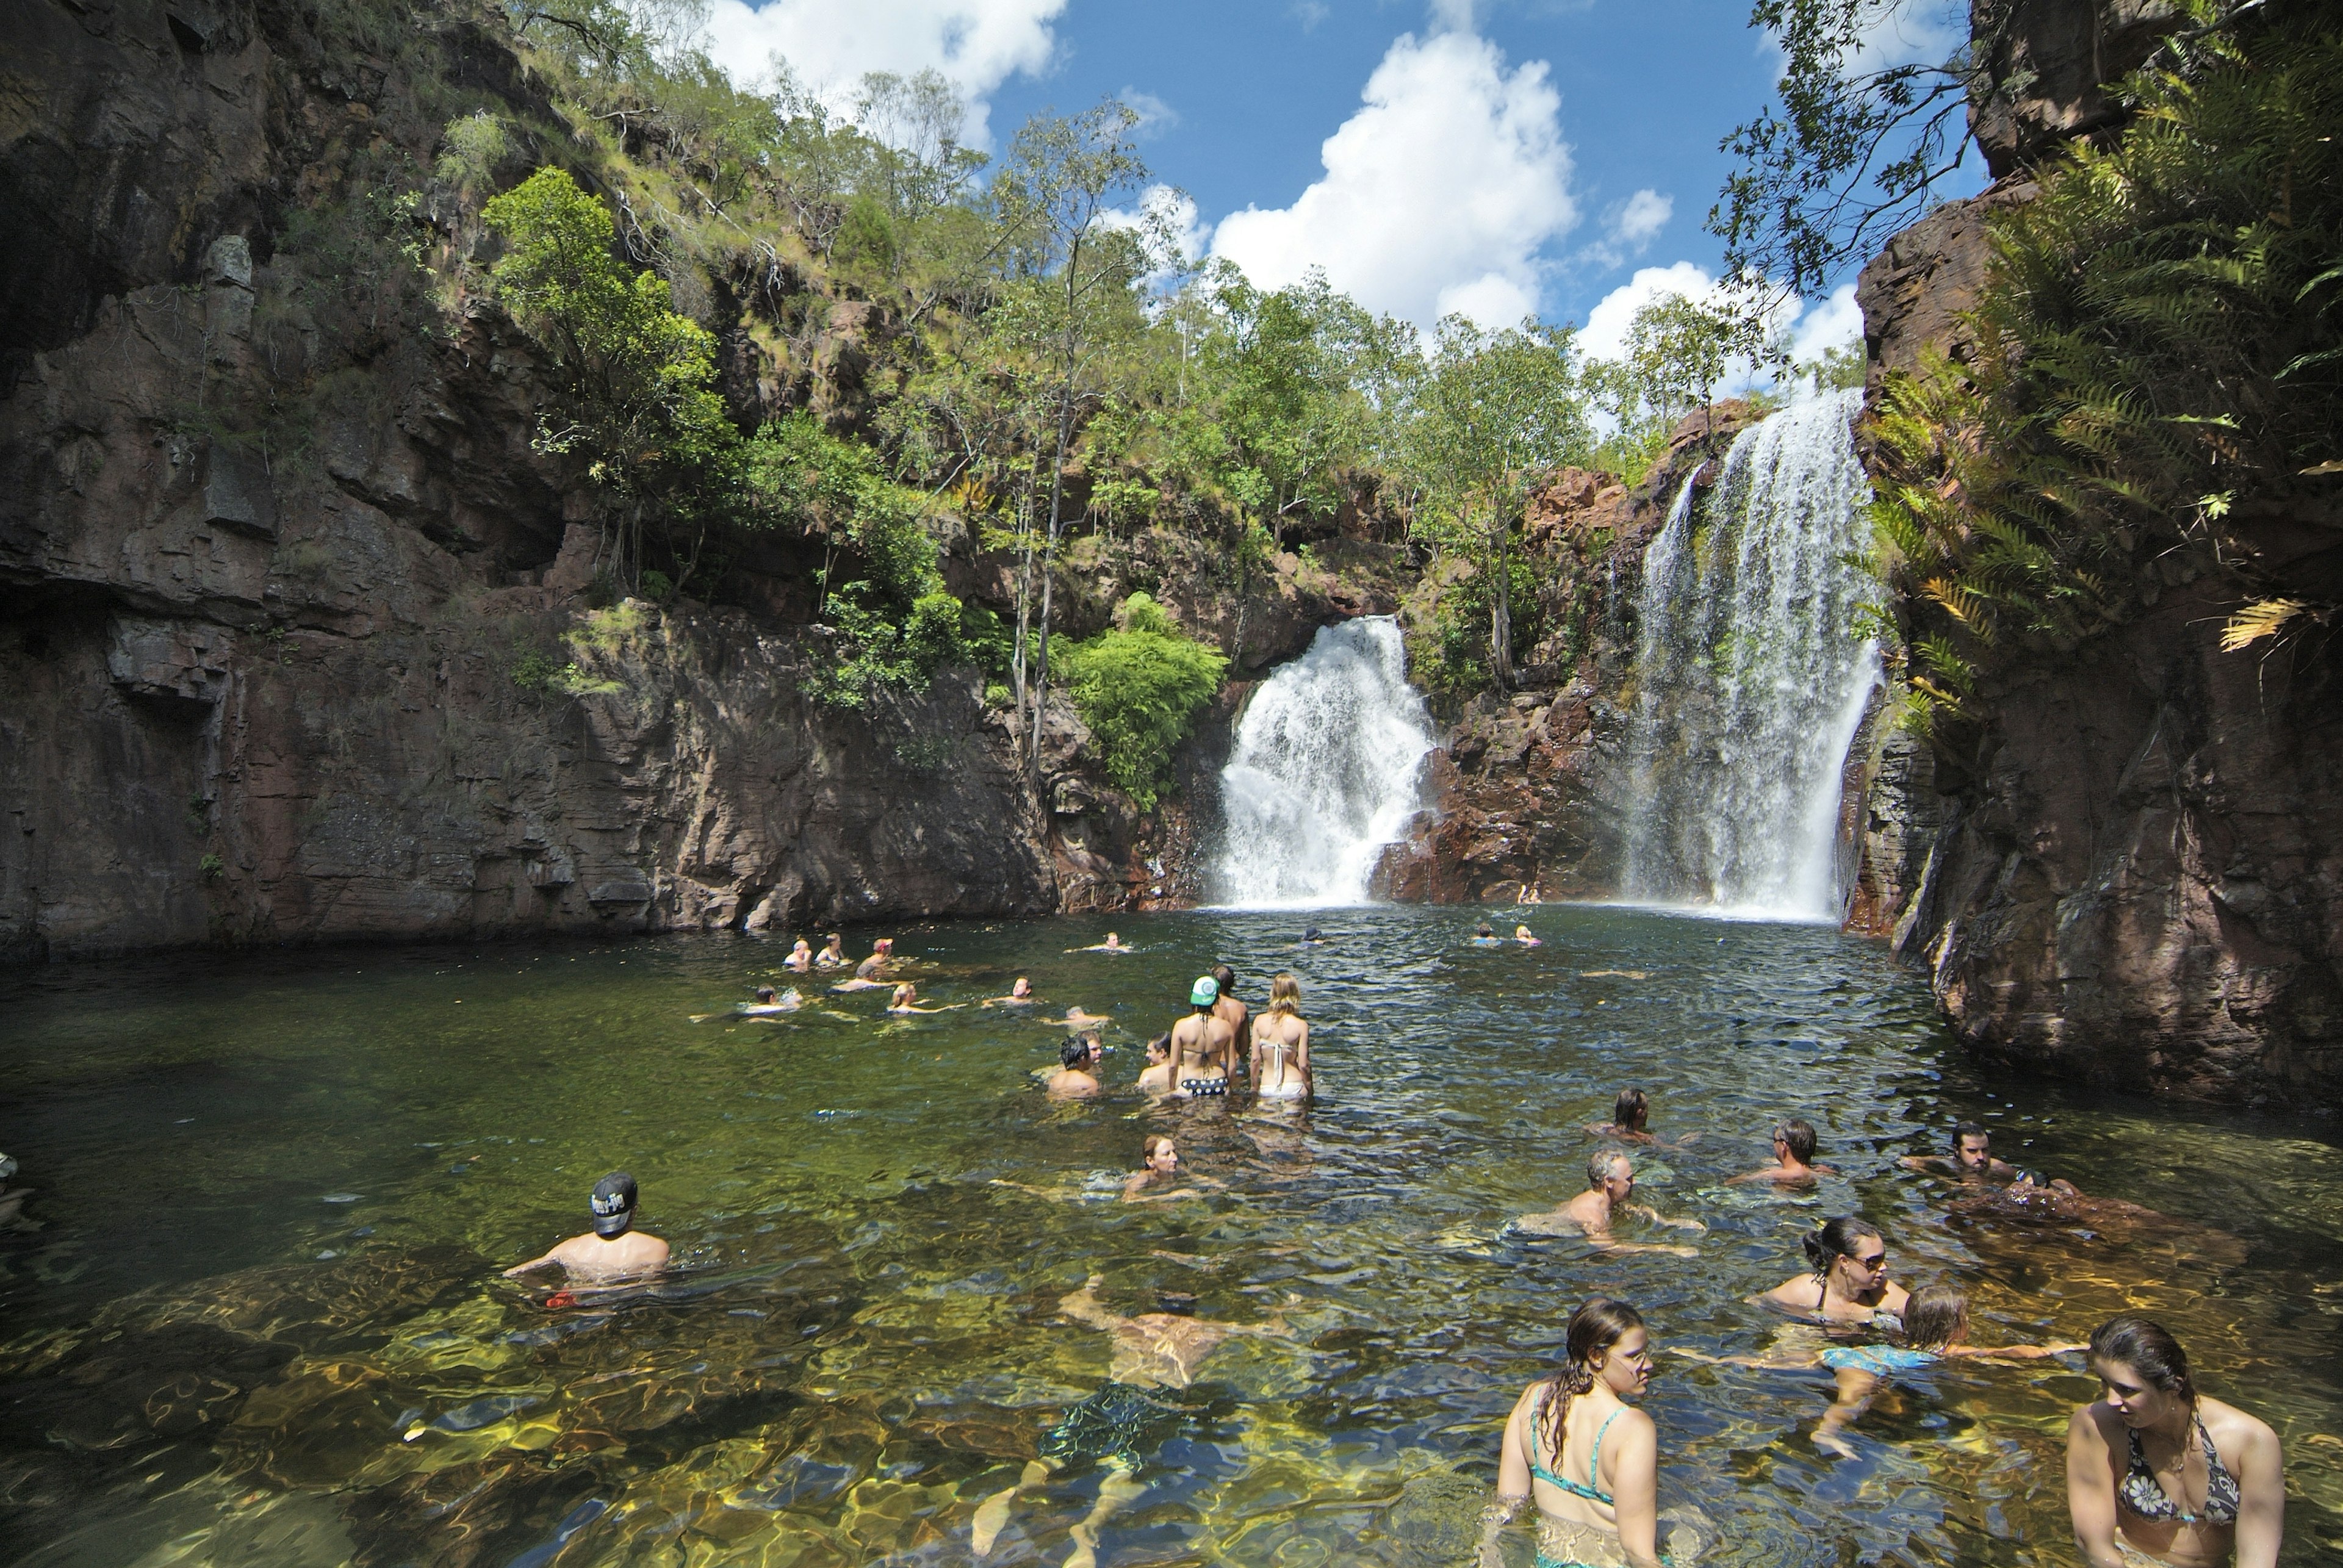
(1751, 682)
(1325, 772)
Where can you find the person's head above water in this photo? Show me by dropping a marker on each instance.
(1203, 993)
(1312, 934)
(1080, 1051)
(1610, 1169)
(883, 945)
(1851, 1247)
(1225, 978)
(1159, 1153)
(1629, 1111)
(2143, 1369)
(1936, 1316)
(1796, 1136)
(1023, 988)
(1158, 1050)
(613, 1205)
(766, 993)
(1972, 1146)
(1605, 1343)
(906, 993)
(1484, 929)
(1284, 993)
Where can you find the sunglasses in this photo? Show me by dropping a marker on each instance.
(1872, 1264)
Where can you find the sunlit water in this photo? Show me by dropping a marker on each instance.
(258, 1317)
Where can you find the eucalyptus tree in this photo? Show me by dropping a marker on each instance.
(1493, 413)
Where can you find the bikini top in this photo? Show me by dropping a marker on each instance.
(1591, 1492)
(2144, 1495)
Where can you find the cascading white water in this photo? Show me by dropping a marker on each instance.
(1325, 772)
(1752, 681)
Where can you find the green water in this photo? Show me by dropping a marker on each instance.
(251, 1313)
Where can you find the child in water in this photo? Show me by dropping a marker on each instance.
(1935, 1328)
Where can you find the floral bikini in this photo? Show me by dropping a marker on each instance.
(2142, 1495)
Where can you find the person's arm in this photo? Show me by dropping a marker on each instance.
(1252, 1061)
(517, 1270)
(1765, 1175)
(2011, 1352)
(1656, 1218)
(1856, 1388)
(1635, 1454)
(1918, 1162)
(2091, 1493)
(1513, 1483)
(2261, 1497)
(1301, 1054)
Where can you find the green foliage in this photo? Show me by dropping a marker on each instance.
(211, 868)
(535, 671)
(1138, 688)
(2158, 369)
(471, 147)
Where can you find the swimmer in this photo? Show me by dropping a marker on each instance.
(1113, 944)
(770, 1004)
(1971, 1158)
(614, 1250)
(1236, 1015)
(1200, 1044)
(1582, 1453)
(1610, 1184)
(868, 974)
(1312, 937)
(833, 953)
(1155, 1077)
(1935, 1328)
(1021, 994)
(1077, 1077)
(1159, 1164)
(1485, 936)
(1848, 1282)
(800, 958)
(1794, 1157)
(12, 1199)
(1077, 1019)
(1280, 1045)
(1522, 934)
(2159, 1473)
(906, 1000)
(1629, 1112)
(1153, 1351)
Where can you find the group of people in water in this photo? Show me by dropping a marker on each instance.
(2157, 1472)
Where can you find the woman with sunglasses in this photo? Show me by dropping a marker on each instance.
(1849, 1282)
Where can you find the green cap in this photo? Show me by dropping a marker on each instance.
(1204, 992)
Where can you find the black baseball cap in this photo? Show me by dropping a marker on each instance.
(613, 1204)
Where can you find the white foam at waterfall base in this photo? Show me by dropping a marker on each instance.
(1325, 772)
(1751, 680)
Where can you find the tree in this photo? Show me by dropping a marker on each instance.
(1137, 687)
(637, 381)
(1077, 270)
(1495, 411)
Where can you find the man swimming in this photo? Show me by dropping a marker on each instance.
(1610, 1186)
(614, 1250)
(1021, 994)
(869, 974)
(1113, 944)
(1971, 1158)
(1077, 1075)
(769, 1002)
(1794, 1157)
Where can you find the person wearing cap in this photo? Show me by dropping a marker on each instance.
(1201, 1044)
(614, 1250)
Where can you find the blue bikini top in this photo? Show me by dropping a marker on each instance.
(1592, 1493)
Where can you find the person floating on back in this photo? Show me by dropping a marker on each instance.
(1794, 1156)
(614, 1250)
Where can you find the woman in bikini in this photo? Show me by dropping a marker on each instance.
(1280, 1045)
(2159, 1473)
(1849, 1282)
(1587, 1458)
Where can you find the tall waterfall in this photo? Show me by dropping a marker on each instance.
(1752, 682)
(1325, 772)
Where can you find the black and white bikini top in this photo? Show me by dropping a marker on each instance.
(2144, 1495)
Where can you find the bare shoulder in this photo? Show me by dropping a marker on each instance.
(1633, 1430)
(2088, 1428)
(2229, 1424)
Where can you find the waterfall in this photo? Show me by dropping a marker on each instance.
(1324, 772)
(1751, 680)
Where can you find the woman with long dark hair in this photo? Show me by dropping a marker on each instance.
(2159, 1473)
(1848, 1282)
(1587, 1458)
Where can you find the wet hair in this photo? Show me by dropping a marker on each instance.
(1593, 1329)
(903, 989)
(1285, 995)
(1630, 1110)
(766, 994)
(1970, 1130)
(1934, 1317)
(1155, 1141)
(834, 937)
(1223, 977)
(1077, 1049)
(1836, 1239)
(1599, 1163)
(1160, 1045)
(2147, 1349)
(1483, 929)
(1800, 1136)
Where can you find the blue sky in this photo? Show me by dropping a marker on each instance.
(1499, 158)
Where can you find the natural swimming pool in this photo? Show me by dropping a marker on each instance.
(260, 1319)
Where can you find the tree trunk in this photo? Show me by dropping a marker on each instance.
(1501, 607)
(1017, 661)
(1049, 557)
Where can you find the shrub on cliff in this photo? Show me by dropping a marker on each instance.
(1138, 688)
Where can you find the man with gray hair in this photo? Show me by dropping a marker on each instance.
(1610, 1186)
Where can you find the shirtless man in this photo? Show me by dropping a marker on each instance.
(869, 974)
(1113, 944)
(1201, 1044)
(833, 953)
(1971, 1158)
(614, 1250)
(1794, 1157)
(1236, 1015)
(1077, 1019)
(1021, 994)
(1610, 1184)
(1077, 1078)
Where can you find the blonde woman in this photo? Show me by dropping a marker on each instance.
(1280, 1045)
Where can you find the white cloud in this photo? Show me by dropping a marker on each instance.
(1155, 116)
(1439, 193)
(1640, 221)
(1922, 32)
(977, 44)
(1604, 336)
(1835, 323)
(1170, 217)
